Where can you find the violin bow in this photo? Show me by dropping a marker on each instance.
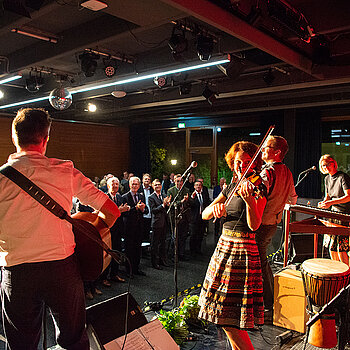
(232, 193)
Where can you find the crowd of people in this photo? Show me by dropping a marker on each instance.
(148, 216)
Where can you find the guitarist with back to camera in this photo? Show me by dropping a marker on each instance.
(37, 248)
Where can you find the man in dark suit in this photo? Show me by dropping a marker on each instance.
(158, 206)
(133, 224)
(117, 230)
(199, 201)
(182, 202)
(147, 190)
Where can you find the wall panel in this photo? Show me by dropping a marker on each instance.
(95, 149)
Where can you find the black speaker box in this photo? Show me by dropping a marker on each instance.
(107, 318)
(301, 247)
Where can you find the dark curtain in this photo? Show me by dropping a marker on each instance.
(139, 150)
(308, 142)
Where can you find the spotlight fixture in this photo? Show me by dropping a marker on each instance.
(269, 77)
(1, 94)
(118, 93)
(205, 46)
(34, 82)
(185, 89)
(178, 44)
(160, 81)
(110, 67)
(234, 68)
(89, 63)
(209, 95)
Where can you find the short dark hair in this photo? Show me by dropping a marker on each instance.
(31, 126)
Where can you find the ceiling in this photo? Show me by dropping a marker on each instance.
(283, 55)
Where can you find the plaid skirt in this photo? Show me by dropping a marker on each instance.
(232, 291)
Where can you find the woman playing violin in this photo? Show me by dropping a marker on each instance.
(232, 292)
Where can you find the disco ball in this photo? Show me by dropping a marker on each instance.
(60, 98)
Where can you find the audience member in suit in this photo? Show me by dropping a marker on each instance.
(147, 190)
(199, 201)
(219, 222)
(124, 183)
(165, 185)
(206, 191)
(190, 183)
(117, 230)
(158, 206)
(182, 202)
(133, 224)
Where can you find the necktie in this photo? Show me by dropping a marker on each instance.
(200, 203)
(135, 198)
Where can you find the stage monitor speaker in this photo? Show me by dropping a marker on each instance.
(107, 318)
(301, 247)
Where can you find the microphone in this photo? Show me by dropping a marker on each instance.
(308, 170)
(188, 170)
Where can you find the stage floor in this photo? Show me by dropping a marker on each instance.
(158, 286)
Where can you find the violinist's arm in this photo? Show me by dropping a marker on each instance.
(215, 209)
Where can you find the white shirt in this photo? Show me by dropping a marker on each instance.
(28, 231)
(147, 192)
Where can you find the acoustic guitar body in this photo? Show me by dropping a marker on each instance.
(92, 259)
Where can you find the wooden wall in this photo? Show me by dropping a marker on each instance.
(95, 149)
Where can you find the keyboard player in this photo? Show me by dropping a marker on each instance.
(280, 191)
(337, 198)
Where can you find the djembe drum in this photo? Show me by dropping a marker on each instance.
(323, 279)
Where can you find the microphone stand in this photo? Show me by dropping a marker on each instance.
(178, 217)
(299, 180)
(341, 303)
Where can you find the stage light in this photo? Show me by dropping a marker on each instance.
(173, 161)
(209, 95)
(92, 107)
(181, 125)
(269, 77)
(1, 94)
(178, 44)
(118, 93)
(135, 78)
(110, 67)
(185, 89)
(160, 81)
(10, 78)
(88, 63)
(34, 82)
(218, 129)
(205, 46)
(60, 98)
(234, 68)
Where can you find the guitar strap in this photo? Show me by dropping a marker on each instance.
(51, 205)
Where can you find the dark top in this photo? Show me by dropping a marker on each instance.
(236, 219)
(336, 186)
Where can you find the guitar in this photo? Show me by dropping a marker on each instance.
(91, 234)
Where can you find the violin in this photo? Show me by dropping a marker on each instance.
(244, 175)
(255, 179)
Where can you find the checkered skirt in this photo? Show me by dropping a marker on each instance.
(232, 292)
